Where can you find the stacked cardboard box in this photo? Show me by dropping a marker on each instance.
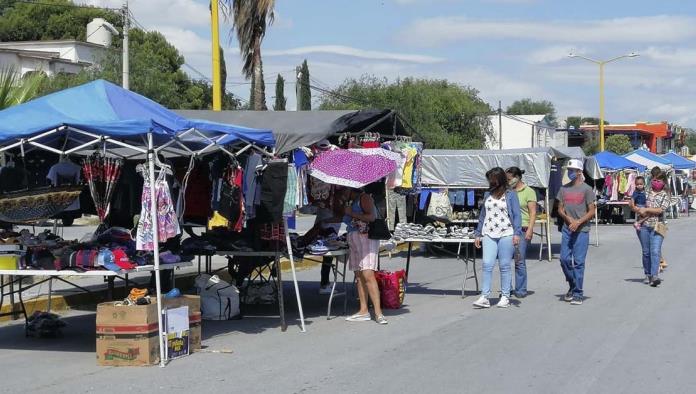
(128, 335)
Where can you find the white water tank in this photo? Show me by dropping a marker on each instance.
(99, 31)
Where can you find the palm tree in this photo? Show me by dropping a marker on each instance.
(250, 19)
(15, 89)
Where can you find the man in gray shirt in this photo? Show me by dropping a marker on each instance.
(576, 206)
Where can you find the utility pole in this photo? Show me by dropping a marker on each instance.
(298, 87)
(217, 77)
(500, 125)
(125, 79)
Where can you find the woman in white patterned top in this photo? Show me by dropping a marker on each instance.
(651, 240)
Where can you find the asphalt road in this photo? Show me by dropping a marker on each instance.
(626, 338)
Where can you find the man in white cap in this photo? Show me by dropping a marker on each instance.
(576, 206)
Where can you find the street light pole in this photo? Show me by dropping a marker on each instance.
(601, 64)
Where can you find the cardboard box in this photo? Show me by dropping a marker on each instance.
(128, 336)
(192, 301)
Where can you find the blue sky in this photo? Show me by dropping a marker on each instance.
(507, 49)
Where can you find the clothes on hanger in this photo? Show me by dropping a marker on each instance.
(272, 195)
(65, 172)
(167, 221)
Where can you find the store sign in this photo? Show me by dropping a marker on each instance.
(178, 333)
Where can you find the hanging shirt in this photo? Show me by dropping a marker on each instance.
(65, 173)
(407, 182)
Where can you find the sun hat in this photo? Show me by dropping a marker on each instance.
(575, 164)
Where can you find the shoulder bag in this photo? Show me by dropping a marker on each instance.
(378, 228)
(661, 227)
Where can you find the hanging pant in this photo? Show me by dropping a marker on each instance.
(396, 203)
(274, 184)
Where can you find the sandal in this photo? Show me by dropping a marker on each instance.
(358, 317)
(381, 320)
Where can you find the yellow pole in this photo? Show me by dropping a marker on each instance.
(601, 106)
(217, 84)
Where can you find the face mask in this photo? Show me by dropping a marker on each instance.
(513, 182)
(572, 175)
(657, 185)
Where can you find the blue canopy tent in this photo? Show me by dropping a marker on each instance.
(100, 116)
(611, 161)
(648, 159)
(679, 162)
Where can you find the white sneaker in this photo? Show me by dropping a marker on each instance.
(482, 302)
(325, 290)
(504, 302)
(647, 279)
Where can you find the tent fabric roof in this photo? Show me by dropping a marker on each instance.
(611, 161)
(293, 129)
(679, 162)
(109, 110)
(467, 168)
(648, 159)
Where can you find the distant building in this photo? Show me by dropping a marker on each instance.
(50, 57)
(656, 137)
(525, 131)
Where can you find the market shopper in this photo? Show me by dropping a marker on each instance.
(576, 206)
(360, 211)
(499, 230)
(651, 232)
(528, 207)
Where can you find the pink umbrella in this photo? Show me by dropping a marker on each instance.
(354, 167)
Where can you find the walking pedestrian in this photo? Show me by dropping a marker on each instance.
(360, 211)
(653, 230)
(528, 207)
(500, 227)
(576, 206)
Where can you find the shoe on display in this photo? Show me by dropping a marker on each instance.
(325, 290)
(568, 297)
(577, 300)
(482, 303)
(504, 302)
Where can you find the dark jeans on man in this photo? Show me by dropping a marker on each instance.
(573, 253)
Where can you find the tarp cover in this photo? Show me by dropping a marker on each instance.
(648, 159)
(106, 109)
(679, 162)
(293, 129)
(467, 168)
(611, 161)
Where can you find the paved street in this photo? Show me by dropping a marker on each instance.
(626, 338)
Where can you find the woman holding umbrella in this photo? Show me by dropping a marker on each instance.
(360, 211)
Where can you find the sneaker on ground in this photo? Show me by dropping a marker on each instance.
(647, 279)
(325, 290)
(504, 302)
(576, 301)
(381, 320)
(568, 297)
(482, 302)
(655, 282)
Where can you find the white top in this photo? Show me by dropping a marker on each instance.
(497, 221)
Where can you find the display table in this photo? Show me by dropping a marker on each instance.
(340, 255)
(469, 255)
(14, 285)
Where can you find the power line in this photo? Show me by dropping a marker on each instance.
(65, 5)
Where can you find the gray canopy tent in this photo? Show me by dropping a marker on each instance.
(467, 169)
(293, 129)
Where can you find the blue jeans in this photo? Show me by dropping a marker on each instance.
(651, 244)
(573, 253)
(521, 268)
(502, 250)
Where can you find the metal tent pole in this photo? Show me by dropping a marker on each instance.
(155, 241)
(294, 274)
(548, 225)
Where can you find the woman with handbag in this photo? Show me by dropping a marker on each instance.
(653, 229)
(360, 211)
(500, 226)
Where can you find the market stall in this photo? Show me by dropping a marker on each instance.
(103, 122)
(465, 170)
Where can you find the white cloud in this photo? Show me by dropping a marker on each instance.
(649, 29)
(354, 52)
(182, 13)
(671, 57)
(553, 54)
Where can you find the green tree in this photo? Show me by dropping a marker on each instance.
(529, 107)
(618, 143)
(15, 89)
(305, 94)
(250, 19)
(592, 121)
(280, 99)
(574, 122)
(443, 114)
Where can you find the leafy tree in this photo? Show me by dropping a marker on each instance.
(15, 89)
(250, 19)
(305, 95)
(574, 122)
(529, 107)
(443, 114)
(280, 99)
(592, 121)
(618, 143)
